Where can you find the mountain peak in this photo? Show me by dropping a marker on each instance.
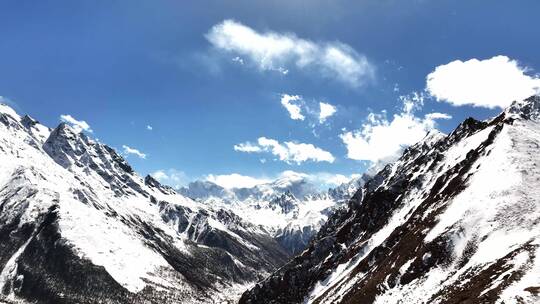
(528, 108)
(464, 129)
(65, 145)
(6, 109)
(286, 202)
(75, 151)
(28, 121)
(154, 183)
(432, 137)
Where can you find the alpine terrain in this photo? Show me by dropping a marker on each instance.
(455, 220)
(78, 225)
(291, 208)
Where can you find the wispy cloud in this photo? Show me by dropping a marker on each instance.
(128, 150)
(247, 147)
(271, 51)
(327, 179)
(235, 180)
(289, 152)
(77, 125)
(490, 83)
(438, 115)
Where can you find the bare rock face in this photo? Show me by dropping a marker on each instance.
(455, 220)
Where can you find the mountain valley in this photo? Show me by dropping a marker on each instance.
(456, 219)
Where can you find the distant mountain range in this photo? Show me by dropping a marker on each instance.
(291, 208)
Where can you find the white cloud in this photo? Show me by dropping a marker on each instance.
(247, 147)
(238, 60)
(490, 83)
(149, 127)
(128, 150)
(283, 71)
(313, 111)
(381, 140)
(294, 109)
(280, 51)
(438, 115)
(77, 125)
(159, 175)
(412, 102)
(326, 110)
(289, 152)
(292, 152)
(336, 179)
(171, 177)
(327, 179)
(235, 180)
(321, 179)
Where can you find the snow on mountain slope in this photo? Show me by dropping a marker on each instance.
(77, 225)
(454, 220)
(291, 208)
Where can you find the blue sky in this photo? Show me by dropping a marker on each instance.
(211, 75)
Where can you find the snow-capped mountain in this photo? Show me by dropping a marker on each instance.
(295, 183)
(455, 220)
(203, 190)
(291, 208)
(78, 225)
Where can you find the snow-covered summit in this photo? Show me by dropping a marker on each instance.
(6, 109)
(526, 109)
